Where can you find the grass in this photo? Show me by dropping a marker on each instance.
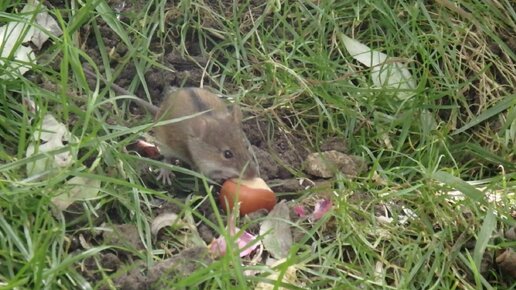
(279, 58)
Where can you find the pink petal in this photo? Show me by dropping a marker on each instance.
(299, 210)
(218, 246)
(321, 208)
(243, 241)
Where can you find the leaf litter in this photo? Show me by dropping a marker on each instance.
(386, 73)
(15, 35)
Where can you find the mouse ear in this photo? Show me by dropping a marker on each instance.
(236, 114)
(198, 127)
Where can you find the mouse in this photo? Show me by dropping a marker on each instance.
(212, 142)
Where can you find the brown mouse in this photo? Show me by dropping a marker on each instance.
(212, 142)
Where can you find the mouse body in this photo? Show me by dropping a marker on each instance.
(213, 142)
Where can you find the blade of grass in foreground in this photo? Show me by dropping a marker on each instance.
(459, 184)
(499, 107)
(484, 236)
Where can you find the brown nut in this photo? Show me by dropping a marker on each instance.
(253, 194)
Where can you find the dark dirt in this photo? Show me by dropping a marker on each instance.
(163, 274)
(279, 155)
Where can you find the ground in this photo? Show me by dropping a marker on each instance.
(397, 211)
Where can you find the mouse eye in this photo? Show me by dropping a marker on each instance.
(228, 154)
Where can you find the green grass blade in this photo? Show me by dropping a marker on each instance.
(484, 236)
(500, 106)
(467, 189)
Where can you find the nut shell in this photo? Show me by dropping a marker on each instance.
(253, 195)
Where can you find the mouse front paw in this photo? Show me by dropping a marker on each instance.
(165, 176)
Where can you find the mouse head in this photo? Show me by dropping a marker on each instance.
(219, 147)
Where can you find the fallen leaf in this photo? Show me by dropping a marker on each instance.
(408, 215)
(44, 20)
(77, 188)
(49, 137)
(15, 34)
(394, 76)
(379, 273)
(11, 39)
(39, 166)
(163, 220)
(275, 229)
(288, 276)
(404, 214)
(384, 219)
(30, 105)
(52, 129)
(385, 73)
(362, 53)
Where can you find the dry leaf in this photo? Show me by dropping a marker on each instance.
(50, 24)
(10, 44)
(276, 231)
(77, 188)
(30, 105)
(385, 73)
(52, 129)
(15, 34)
(163, 220)
(52, 134)
(289, 277)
